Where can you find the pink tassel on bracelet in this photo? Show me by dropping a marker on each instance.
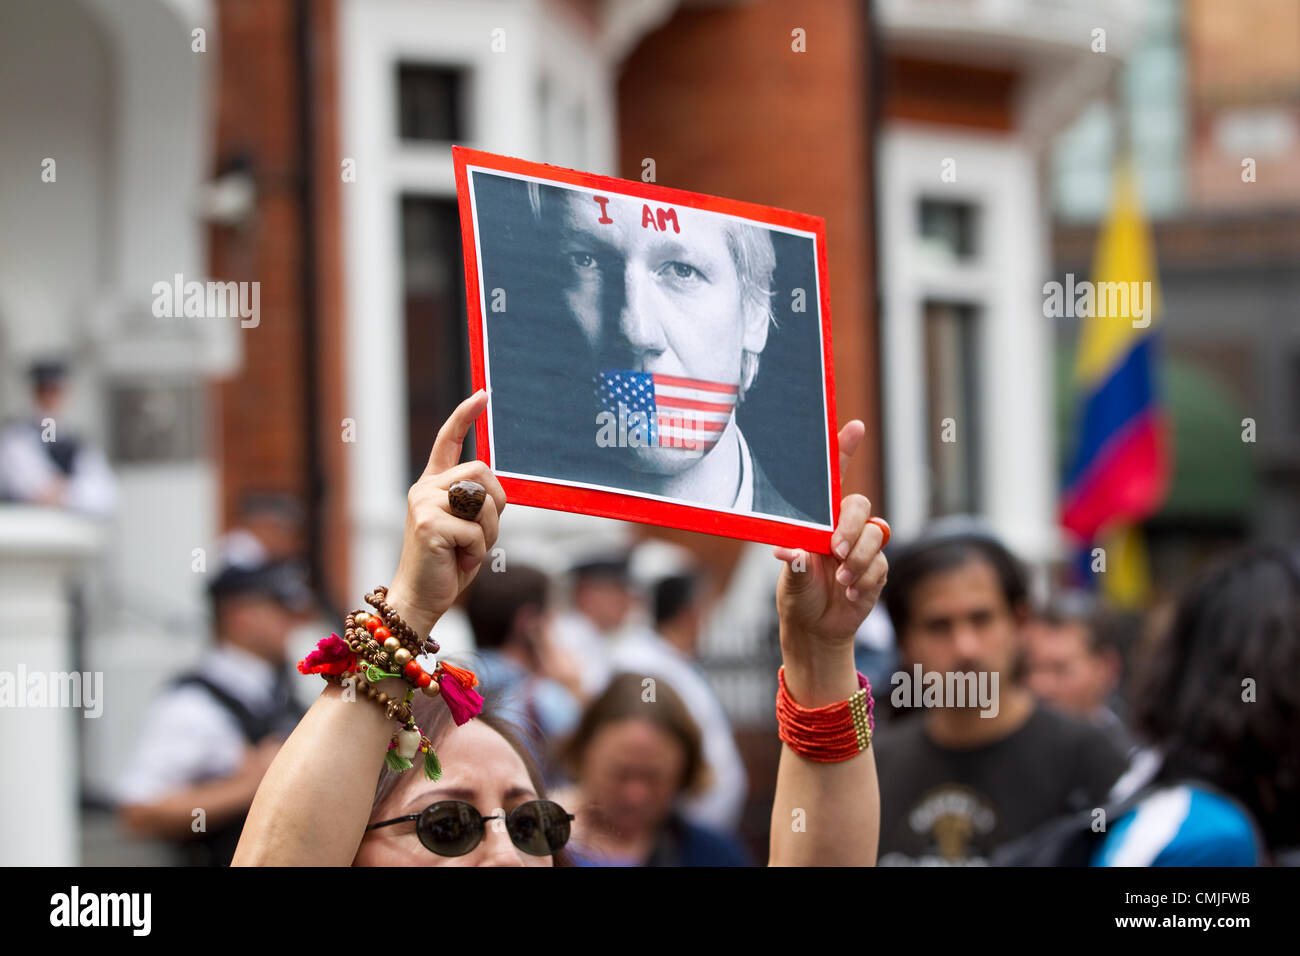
(457, 684)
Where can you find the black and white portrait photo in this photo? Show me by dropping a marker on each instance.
(651, 348)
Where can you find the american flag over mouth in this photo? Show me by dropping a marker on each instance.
(685, 413)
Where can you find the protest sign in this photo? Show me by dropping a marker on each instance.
(651, 354)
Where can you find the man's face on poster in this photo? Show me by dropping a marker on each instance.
(658, 294)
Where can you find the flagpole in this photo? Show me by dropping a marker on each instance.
(1127, 581)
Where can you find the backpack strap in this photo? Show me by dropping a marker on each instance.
(1068, 840)
(254, 727)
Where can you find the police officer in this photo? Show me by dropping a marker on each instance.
(213, 732)
(42, 463)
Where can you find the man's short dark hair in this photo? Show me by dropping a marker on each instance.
(672, 595)
(497, 597)
(283, 581)
(614, 568)
(47, 372)
(1105, 628)
(937, 555)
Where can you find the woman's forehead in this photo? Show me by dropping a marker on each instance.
(478, 766)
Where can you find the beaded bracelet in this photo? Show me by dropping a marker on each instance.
(409, 638)
(827, 734)
(372, 646)
(380, 648)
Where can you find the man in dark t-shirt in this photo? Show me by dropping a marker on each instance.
(967, 772)
(952, 806)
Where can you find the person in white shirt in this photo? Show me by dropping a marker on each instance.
(43, 463)
(668, 653)
(212, 733)
(601, 602)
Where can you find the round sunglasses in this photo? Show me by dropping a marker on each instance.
(454, 827)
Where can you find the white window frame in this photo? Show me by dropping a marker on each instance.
(501, 115)
(999, 175)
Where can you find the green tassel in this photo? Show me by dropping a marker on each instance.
(432, 765)
(396, 761)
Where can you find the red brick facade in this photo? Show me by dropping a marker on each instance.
(262, 411)
(948, 94)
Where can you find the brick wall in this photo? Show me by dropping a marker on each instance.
(1243, 67)
(262, 411)
(948, 94)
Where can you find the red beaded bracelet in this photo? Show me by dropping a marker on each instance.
(827, 734)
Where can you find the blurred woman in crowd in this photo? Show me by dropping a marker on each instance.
(1220, 705)
(635, 754)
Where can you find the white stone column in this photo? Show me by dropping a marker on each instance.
(39, 763)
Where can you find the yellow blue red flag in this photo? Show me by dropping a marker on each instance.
(1119, 471)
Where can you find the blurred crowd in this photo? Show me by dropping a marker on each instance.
(1114, 739)
(1100, 738)
(1083, 736)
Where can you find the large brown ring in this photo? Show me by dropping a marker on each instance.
(466, 499)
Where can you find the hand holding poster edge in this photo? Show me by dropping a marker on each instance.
(539, 491)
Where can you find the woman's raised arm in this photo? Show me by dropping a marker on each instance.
(314, 802)
(828, 814)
